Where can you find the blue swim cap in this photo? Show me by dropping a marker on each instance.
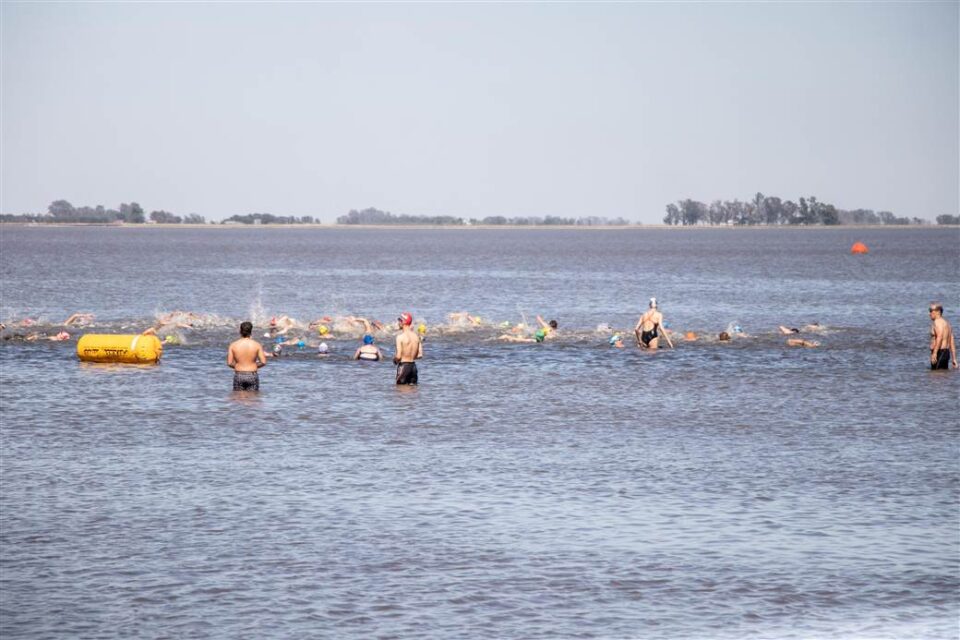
(301, 344)
(737, 329)
(279, 340)
(614, 339)
(368, 339)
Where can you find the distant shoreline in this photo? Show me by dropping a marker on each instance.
(479, 227)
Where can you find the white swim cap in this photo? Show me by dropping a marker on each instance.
(323, 348)
(653, 303)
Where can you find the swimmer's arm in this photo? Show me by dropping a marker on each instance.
(543, 325)
(261, 357)
(953, 350)
(665, 334)
(419, 349)
(356, 356)
(231, 360)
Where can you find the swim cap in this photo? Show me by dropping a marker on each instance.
(323, 348)
(323, 329)
(405, 319)
(301, 344)
(279, 340)
(614, 339)
(368, 339)
(421, 328)
(540, 335)
(737, 329)
(266, 335)
(653, 303)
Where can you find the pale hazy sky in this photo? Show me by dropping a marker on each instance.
(478, 109)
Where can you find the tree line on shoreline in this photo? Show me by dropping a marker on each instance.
(133, 213)
(760, 211)
(372, 216)
(772, 211)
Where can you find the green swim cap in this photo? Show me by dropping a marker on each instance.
(540, 335)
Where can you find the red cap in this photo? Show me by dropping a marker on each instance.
(405, 318)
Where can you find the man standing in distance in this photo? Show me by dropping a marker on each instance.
(649, 326)
(245, 356)
(409, 349)
(942, 347)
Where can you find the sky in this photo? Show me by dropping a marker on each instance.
(478, 109)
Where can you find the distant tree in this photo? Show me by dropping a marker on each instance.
(673, 215)
(828, 215)
(165, 217)
(193, 218)
(948, 219)
(61, 209)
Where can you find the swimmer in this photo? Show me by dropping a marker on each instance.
(799, 342)
(648, 328)
(368, 350)
(422, 331)
(616, 341)
(79, 319)
(506, 337)
(724, 336)
(323, 350)
(409, 349)
(462, 317)
(323, 331)
(549, 329)
(943, 349)
(245, 356)
(788, 330)
(690, 336)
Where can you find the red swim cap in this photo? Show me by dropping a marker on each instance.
(405, 318)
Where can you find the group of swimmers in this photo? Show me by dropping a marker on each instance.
(246, 356)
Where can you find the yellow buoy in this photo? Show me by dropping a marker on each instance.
(128, 349)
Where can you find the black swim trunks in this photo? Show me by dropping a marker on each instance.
(407, 373)
(246, 381)
(943, 359)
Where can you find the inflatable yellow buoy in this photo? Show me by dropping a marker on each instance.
(859, 247)
(127, 349)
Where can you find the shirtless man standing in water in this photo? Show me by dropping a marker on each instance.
(649, 327)
(245, 356)
(942, 347)
(409, 349)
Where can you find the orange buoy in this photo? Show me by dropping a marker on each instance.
(859, 247)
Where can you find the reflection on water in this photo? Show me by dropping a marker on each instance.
(537, 491)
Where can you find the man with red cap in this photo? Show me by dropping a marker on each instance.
(409, 349)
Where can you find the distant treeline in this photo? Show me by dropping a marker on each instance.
(267, 218)
(770, 210)
(63, 211)
(948, 219)
(375, 216)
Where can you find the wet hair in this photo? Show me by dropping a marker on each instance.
(936, 306)
(553, 324)
(246, 328)
(724, 335)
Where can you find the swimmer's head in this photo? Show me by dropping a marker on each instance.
(653, 303)
(301, 344)
(690, 335)
(936, 307)
(737, 329)
(614, 340)
(323, 330)
(405, 319)
(63, 335)
(246, 328)
(724, 336)
(540, 335)
(279, 340)
(323, 348)
(553, 324)
(368, 339)
(422, 329)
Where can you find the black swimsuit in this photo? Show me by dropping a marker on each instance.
(943, 359)
(647, 336)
